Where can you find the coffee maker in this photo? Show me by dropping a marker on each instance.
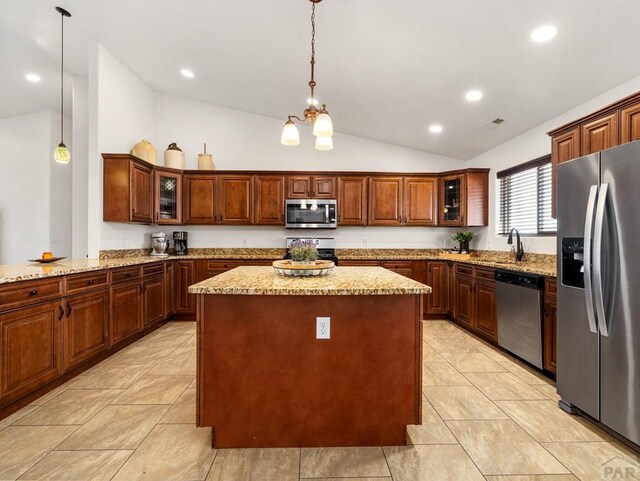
(180, 243)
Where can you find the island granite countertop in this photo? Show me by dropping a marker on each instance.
(341, 281)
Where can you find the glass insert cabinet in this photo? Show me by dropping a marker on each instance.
(453, 201)
(168, 196)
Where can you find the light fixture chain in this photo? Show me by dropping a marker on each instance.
(62, 81)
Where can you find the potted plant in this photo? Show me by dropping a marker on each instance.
(464, 238)
(303, 251)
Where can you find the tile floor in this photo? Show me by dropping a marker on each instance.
(132, 417)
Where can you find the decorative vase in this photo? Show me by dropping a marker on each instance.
(174, 157)
(205, 161)
(146, 151)
(464, 247)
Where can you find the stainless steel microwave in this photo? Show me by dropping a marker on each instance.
(311, 214)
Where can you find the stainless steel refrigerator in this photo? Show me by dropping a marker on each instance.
(599, 287)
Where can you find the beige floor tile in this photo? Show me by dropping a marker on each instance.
(534, 477)
(502, 447)
(472, 362)
(431, 463)
(193, 384)
(548, 390)
(352, 479)
(116, 427)
(143, 354)
(154, 390)
(255, 465)
(53, 393)
(71, 407)
(503, 386)
(429, 354)
(462, 402)
(171, 452)
(442, 374)
(342, 462)
(15, 416)
(182, 362)
(527, 374)
(166, 339)
(546, 422)
(112, 376)
(456, 345)
(77, 466)
(23, 446)
(433, 430)
(596, 461)
(183, 410)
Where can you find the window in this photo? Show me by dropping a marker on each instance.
(524, 198)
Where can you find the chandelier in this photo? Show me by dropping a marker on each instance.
(319, 118)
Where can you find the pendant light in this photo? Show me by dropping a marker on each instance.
(62, 154)
(319, 118)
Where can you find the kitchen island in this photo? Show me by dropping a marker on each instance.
(265, 380)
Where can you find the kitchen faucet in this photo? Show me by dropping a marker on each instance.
(519, 248)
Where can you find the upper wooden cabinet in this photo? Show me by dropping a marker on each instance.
(352, 201)
(128, 189)
(395, 201)
(167, 185)
(630, 123)
(218, 199)
(269, 199)
(311, 187)
(464, 198)
(599, 134)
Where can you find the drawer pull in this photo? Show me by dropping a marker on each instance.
(33, 293)
(90, 282)
(61, 313)
(128, 274)
(68, 310)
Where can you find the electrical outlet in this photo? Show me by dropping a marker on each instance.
(364, 242)
(244, 242)
(323, 328)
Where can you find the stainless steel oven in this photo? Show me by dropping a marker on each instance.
(311, 214)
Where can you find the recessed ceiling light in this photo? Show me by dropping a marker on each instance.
(187, 73)
(32, 77)
(544, 33)
(435, 128)
(473, 95)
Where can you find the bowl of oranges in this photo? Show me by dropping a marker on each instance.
(47, 258)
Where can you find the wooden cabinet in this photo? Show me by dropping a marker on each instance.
(211, 268)
(170, 288)
(550, 326)
(167, 185)
(126, 311)
(311, 187)
(630, 123)
(269, 199)
(199, 199)
(420, 206)
(85, 327)
(451, 288)
(352, 200)
(385, 201)
(564, 147)
(153, 299)
(218, 199)
(404, 268)
(359, 263)
(599, 134)
(437, 279)
(464, 199)
(127, 189)
(30, 348)
(185, 276)
(475, 300)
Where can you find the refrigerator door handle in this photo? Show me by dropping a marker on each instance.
(588, 233)
(597, 260)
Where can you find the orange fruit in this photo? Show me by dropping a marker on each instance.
(47, 255)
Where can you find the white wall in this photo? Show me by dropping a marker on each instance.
(121, 112)
(80, 167)
(528, 146)
(35, 195)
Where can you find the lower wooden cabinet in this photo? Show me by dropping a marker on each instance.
(30, 348)
(126, 311)
(486, 318)
(185, 276)
(451, 288)
(153, 299)
(437, 279)
(475, 301)
(464, 300)
(170, 289)
(86, 327)
(550, 326)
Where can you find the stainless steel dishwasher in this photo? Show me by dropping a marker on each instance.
(519, 307)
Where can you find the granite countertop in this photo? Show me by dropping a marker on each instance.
(341, 281)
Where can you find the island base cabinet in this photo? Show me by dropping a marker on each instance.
(30, 349)
(259, 360)
(86, 324)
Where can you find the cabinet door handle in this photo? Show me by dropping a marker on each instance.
(61, 313)
(157, 216)
(133, 212)
(90, 282)
(68, 310)
(34, 292)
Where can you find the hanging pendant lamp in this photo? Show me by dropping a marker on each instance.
(319, 118)
(62, 154)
